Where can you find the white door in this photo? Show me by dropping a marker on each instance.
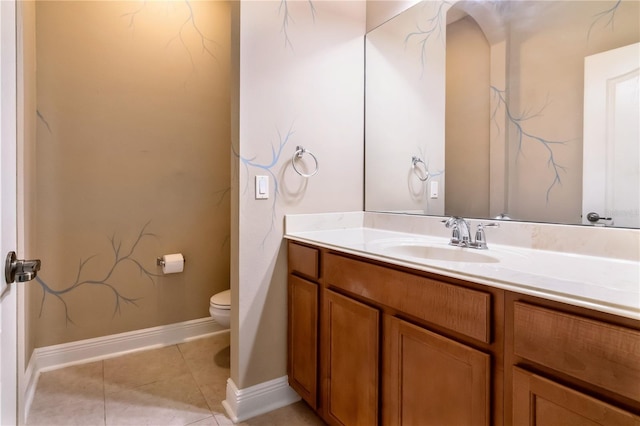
(611, 159)
(8, 229)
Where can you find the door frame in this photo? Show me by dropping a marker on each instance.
(9, 394)
(602, 71)
(19, 165)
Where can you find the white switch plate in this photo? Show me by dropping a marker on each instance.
(262, 187)
(433, 190)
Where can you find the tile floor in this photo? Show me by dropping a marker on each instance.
(181, 384)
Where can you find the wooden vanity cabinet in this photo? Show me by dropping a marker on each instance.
(377, 344)
(303, 304)
(430, 373)
(570, 366)
(397, 347)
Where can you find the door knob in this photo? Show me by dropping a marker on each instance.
(594, 217)
(20, 270)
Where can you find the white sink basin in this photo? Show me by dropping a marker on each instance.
(446, 253)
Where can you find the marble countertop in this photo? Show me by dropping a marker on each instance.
(602, 283)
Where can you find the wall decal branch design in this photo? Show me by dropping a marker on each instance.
(106, 281)
(44, 121)
(606, 17)
(221, 194)
(283, 10)
(205, 41)
(500, 100)
(133, 15)
(207, 44)
(268, 167)
(432, 27)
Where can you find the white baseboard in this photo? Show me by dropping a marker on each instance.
(30, 381)
(89, 350)
(243, 404)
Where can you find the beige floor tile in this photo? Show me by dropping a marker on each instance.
(178, 385)
(143, 368)
(69, 396)
(174, 401)
(209, 421)
(208, 361)
(298, 414)
(210, 356)
(223, 420)
(214, 394)
(80, 411)
(213, 347)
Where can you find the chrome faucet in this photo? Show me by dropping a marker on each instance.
(461, 233)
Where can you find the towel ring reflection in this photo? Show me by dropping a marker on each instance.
(414, 164)
(300, 151)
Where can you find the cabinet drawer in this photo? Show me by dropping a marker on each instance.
(457, 308)
(602, 354)
(304, 260)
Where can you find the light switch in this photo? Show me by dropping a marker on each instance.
(262, 187)
(433, 189)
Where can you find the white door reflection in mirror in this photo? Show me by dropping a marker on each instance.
(611, 159)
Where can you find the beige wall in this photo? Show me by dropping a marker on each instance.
(133, 148)
(299, 86)
(467, 120)
(380, 11)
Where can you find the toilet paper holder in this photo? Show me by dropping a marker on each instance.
(160, 261)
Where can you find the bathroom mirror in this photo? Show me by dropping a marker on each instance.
(527, 109)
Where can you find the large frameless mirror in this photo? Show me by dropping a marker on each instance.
(520, 109)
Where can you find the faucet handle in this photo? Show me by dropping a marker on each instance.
(449, 222)
(452, 223)
(481, 239)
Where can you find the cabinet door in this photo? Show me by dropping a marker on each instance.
(541, 402)
(431, 380)
(303, 338)
(350, 345)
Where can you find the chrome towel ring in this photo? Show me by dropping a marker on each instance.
(300, 151)
(414, 164)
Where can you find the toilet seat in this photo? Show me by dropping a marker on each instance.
(221, 300)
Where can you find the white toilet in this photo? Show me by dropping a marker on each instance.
(220, 307)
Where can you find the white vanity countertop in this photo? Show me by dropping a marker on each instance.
(605, 284)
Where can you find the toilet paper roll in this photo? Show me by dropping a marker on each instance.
(172, 263)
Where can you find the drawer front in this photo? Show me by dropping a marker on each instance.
(456, 308)
(602, 354)
(304, 260)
